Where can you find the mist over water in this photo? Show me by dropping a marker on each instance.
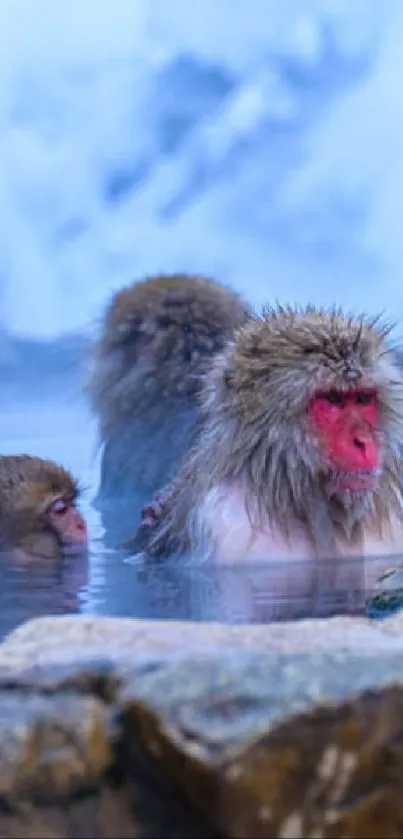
(262, 145)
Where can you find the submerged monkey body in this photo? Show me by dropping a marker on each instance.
(265, 479)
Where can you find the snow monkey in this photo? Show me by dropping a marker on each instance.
(298, 457)
(157, 337)
(38, 514)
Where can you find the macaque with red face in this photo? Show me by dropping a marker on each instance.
(39, 519)
(156, 340)
(297, 464)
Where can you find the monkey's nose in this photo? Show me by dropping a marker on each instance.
(365, 448)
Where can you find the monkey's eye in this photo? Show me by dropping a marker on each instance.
(59, 507)
(365, 397)
(334, 397)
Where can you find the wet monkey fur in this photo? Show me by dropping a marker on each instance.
(39, 518)
(156, 340)
(298, 459)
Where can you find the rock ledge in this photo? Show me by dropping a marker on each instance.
(289, 730)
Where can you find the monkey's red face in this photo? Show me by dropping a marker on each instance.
(69, 525)
(346, 423)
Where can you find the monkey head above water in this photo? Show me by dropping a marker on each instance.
(298, 457)
(38, 514)
(157, 338)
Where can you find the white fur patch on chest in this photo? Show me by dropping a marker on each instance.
(231, 534)
(292, 565)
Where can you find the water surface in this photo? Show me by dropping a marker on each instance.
(53, 421)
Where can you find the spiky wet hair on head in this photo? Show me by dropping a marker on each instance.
(290, 352)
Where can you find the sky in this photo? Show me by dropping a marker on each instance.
(256, 141)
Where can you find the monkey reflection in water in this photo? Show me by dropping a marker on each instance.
(297, 466)
(43, 539)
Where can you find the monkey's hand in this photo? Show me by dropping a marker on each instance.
(153, 512)
(152, 515)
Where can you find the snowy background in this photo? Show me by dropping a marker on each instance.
(257, 140)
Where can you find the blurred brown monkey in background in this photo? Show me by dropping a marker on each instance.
(157, 338)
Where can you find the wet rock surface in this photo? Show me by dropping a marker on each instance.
(45, 639)
(228, 742)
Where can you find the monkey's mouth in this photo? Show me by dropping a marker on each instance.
(365, 481)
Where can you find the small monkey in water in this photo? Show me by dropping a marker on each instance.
(156, 341)
(38, 514)
(298, 458)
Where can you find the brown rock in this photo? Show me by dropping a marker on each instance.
(51, 747)
(223, 743)
(270, 746)
(61, 774)
(98, 677)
